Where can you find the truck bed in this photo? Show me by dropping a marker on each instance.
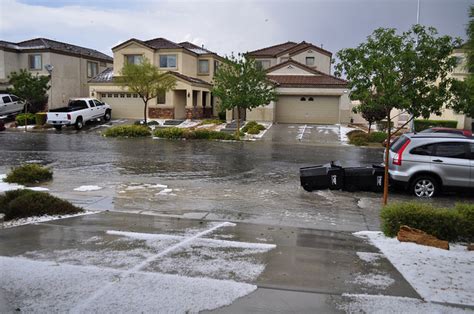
(67, 109)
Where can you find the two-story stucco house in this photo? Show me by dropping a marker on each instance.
(193, 67)
(72, 66)
(307, 92)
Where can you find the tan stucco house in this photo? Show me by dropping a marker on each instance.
(72, 65)
(193, 67)
(307, 92)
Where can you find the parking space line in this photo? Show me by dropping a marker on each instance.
(82, 306)
(300, 136)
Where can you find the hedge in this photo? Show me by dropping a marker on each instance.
(377, 137)
(30, 118)
(451, 224)
(40, 118)
(127, 131)
(176, 133)
(421, 125)
(27, 203)
(253, 126)
(29, 174)
(212, 121)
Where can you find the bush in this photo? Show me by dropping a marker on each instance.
(253, 125)
(171, 133)
(27, 203)
(253, 130)
(29, 173)
(353, 132)
(377, 137)
(29, 117)
(451, 224)
(40, 118)
(421, 125)
(359, 139)
(175, 133)
(212, 121)
(221, 115)
(127, 131)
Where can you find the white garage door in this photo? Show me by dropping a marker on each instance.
(124, 105)
(307, 109)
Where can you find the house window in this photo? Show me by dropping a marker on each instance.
(133, 59)
(303, 99)
(310, 99)
(262, 64)
(35, 62)
(167, 61)
(309, 60)
(161, 98)
(216, 66)
(92, 69)
(203, 66)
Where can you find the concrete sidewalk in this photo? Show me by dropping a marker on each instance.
(308, 271)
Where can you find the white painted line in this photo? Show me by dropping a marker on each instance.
(82, 306)
(300, 136)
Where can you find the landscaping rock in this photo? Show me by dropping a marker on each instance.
(470, 247)
(408, 234)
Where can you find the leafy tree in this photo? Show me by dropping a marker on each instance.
(405, 71)
(146, 80)
(240, 84)
(370, 113)
(464, 90)
(32, 88)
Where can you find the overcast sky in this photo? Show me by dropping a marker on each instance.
(223, 26)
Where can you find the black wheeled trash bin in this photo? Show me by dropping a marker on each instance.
(378, 174)
(322, 177)
(363, 179)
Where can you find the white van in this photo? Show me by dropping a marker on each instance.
(10, 104)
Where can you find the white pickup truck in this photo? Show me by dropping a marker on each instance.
(78, 112)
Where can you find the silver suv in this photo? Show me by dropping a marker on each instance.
(425, 163)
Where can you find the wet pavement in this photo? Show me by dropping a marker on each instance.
(181, 187)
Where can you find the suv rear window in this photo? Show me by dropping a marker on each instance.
(425, 150)
(398, 143)
(451, 150)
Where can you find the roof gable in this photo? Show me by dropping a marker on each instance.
(291, 67)
(304, 46)
(272, 50)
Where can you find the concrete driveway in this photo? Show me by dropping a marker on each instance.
(307, 134)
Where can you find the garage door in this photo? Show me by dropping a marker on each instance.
(124, 105)
(307, 109)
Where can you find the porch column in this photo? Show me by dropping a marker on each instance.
(189, 104)
(198, 110)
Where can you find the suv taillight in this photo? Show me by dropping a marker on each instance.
(397, 158)
(68, 116)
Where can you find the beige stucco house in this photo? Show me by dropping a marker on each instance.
(307, 92)
(72, 65)
(193, 67)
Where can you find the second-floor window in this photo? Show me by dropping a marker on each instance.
(310, 61)
(262, 64)
(167, 61)
(216, 66)
(133, 59)
(203, 66)
(35, 62)
(92, 69)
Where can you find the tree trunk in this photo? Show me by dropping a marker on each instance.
(238, 123)
(370, 125)
(144, 111)
(387, 147)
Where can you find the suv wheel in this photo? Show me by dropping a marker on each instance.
(425, 186)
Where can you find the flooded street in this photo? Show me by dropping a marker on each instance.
(254, 182)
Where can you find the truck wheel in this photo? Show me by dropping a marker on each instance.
(79, 123)
(425, 186)
(107, 115)
(58, 127)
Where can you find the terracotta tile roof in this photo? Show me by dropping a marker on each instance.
(194, 48)
(48, 44)
(162, 43)
(308, 81)
(272, 50)
(288, 47)
(107, 76)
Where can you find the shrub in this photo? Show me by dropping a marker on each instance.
(221, 115)
(127, 131)
(253, 130)
(212, 135)
(421, 125)
(377, 137)
(359, 139)
(253, 125)
(29, 117)
(211, 121)
(353, 132)
(451, 224)
(40, 118)
(26, 203)
(171, 133)
(29, 173)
